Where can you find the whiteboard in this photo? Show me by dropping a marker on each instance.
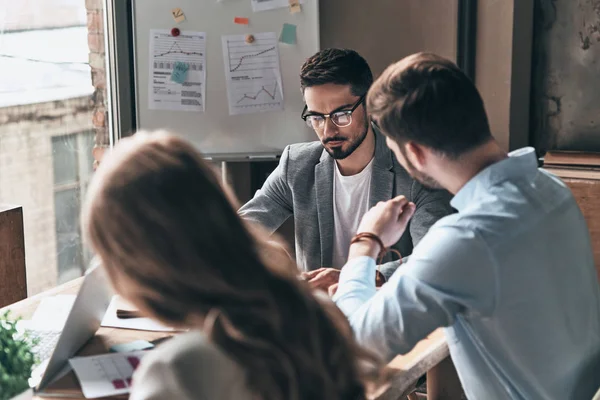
(214, 131)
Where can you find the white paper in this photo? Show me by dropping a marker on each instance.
(264, 5)
(253, 73)
(52, 312)
(142, 324)
(165, 50)
(106, 375)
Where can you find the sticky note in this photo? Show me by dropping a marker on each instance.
(288, 34)
(295, 8)
(180, 71)
(131, 346)
(178, 15)
(241, 20)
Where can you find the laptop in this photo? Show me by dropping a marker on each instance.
(81, 324)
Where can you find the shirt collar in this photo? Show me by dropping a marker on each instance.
(521, 163)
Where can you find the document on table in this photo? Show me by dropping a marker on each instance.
(106, 375)
(142, 324)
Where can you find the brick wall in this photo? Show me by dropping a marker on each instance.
(26, 175)
(97, 61)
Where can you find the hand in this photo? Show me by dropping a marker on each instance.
(322, 278)
(388, 219)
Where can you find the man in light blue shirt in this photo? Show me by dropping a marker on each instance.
(511, 276)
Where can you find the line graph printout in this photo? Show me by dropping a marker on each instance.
(253, 73)
(165, 51)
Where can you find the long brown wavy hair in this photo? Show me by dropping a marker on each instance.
(172, 243)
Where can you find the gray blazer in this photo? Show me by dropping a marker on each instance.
(302, 186)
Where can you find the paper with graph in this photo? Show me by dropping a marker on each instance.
(168, 89)
(107, 374)
(253, 73)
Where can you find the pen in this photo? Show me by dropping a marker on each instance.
(125, 314)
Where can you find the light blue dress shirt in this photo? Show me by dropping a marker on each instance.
(511, 277)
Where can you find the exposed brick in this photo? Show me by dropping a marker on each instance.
(99, 118)
(93, 4)
(102, 137)
(98, 153)
(97, 98)
(95, 21)
(97, 61)
(96, 43)
(99, 78)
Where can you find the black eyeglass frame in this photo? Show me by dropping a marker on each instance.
(349, 112)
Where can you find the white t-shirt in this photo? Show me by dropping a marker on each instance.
(350, 203)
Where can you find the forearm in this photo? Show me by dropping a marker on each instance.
(356, 284)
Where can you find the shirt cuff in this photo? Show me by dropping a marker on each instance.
(360, 269)
(356, 285)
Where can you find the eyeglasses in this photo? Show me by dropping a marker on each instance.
(340, 119)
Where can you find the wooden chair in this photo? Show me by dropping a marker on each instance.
(13, 282)
(587, 194)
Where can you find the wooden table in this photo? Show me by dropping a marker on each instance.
(426, 354)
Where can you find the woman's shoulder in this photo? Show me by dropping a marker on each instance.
(191, 345)
(189, 366)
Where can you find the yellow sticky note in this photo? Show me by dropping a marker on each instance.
(178, 15)
(295, 8)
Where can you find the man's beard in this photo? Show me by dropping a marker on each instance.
(337, 152)
(417, 175)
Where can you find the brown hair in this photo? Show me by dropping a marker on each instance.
(173, 245)
(427, 99)
(337, 66)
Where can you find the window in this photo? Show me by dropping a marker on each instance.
(72, 161)
(52, 113)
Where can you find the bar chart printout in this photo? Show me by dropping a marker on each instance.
(253, 73)
(107, 374)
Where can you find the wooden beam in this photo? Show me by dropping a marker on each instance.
(13, 280)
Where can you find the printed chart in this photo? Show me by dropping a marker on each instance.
(264, 5)
(106, 375)
(167, 50)
(253, 73)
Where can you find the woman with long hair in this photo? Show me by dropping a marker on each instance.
(173, 245)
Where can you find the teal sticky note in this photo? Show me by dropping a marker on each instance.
(288, 34)
(180, 71)
(131, 346)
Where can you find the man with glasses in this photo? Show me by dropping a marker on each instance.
(328, 185)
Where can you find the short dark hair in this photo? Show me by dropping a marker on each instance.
(427, 99)
(337, 66)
